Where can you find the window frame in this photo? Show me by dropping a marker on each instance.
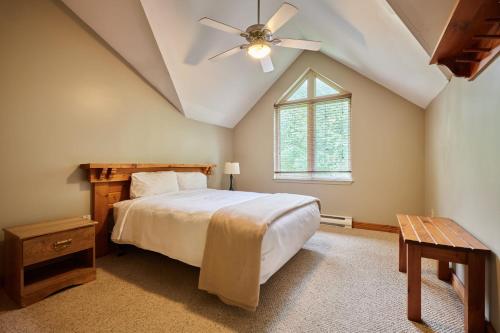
(310, 101)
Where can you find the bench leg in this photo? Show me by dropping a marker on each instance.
(414, 282)
(474, 293)
(402, 254)
(443, 270)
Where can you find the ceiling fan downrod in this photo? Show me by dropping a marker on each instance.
(258, 11)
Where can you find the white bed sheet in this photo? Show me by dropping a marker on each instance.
(175, 224)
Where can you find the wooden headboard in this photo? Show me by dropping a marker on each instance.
(111, 183)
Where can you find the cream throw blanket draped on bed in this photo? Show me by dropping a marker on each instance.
(232, 257)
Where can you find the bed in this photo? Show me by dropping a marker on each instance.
(175, 224)
(180, 225)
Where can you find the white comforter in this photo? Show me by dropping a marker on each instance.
(175, 224)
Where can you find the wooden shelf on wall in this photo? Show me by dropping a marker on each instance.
(471, 39)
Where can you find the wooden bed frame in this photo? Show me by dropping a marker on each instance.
(111, 184)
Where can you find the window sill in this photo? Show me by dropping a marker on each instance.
(315, 181)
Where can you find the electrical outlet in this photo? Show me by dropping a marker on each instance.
(432, 212)
(87, 217)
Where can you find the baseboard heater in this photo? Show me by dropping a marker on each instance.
(341, 221)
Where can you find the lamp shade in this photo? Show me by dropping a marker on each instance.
(232, 168)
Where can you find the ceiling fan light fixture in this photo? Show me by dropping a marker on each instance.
(259, 50)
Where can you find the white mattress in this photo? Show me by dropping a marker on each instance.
(175, 224)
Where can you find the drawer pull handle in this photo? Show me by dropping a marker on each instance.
(61, 245)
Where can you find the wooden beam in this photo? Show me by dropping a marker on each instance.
(476, 49)
(484, 63)
(458, 30)
(486, 37)
(493, 19)
(472, 28)
(468, 60)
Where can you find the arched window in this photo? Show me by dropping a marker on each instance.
(312, 131)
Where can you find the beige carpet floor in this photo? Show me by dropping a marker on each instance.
(342, 281)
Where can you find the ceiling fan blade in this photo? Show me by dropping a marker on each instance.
(227, 53)
(282, 15)
(300, 44)
(220, 26)
(267, 64)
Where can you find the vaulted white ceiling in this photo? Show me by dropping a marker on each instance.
(162, 40)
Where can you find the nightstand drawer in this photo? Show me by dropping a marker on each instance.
(47, 247)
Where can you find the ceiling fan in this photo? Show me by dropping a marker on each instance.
(260, 36)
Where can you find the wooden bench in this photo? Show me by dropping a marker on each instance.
(443, 240)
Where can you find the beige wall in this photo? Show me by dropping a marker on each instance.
(387, 147)
(66, 99)
(463, 164)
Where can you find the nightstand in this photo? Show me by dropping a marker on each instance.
(45, 257)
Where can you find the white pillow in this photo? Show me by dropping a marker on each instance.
(152, 183)
(191, 180)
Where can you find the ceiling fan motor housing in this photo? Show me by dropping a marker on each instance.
(258, 33)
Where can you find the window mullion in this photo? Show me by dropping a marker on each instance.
(277, 153)
(310, 136)
(310, 124)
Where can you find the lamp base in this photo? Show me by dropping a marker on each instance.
(231, 183)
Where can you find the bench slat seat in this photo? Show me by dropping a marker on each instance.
(438, 232)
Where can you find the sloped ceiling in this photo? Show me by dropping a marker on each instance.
(367, 36)
(123, 25)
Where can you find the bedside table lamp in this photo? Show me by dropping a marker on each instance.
(231, 169)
